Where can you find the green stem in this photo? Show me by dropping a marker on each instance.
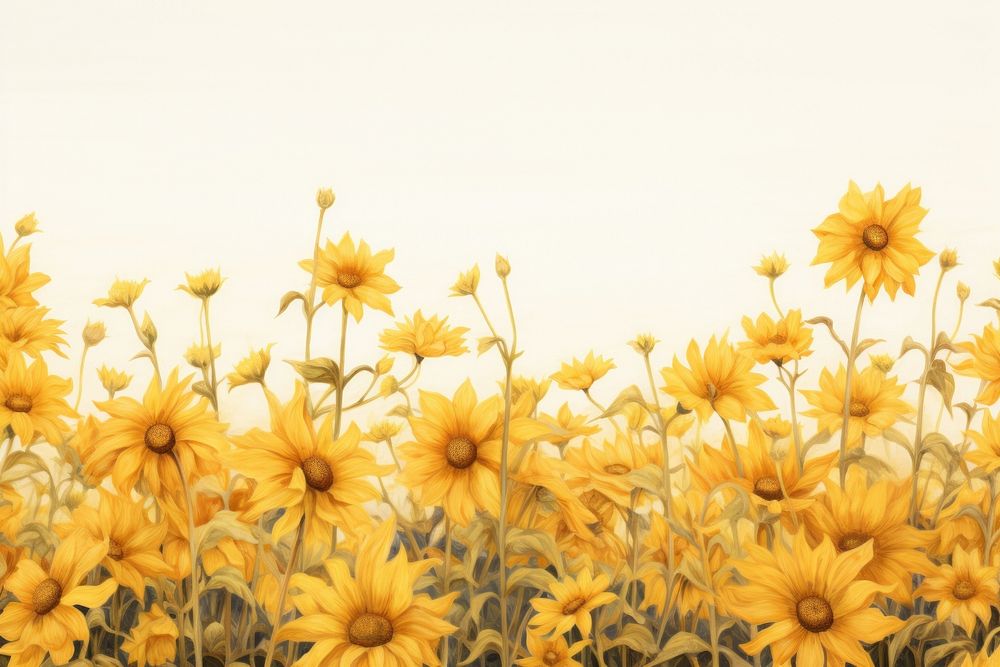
(193, 546)
(775, 300)
(312, 284)
(444, 581)
(211, 359)
(283, 591)
(851, 353)
(339, 408)
(921, 396)
(79, 389)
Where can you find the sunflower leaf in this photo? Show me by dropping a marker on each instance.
(485, 640)
(939, 378)
(287, 300)
(681, 643)
(320, 370)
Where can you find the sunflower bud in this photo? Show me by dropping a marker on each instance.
(384, 365)
(113, 380)
(948, 259)
(389, 386)
(502, 266)
(27, 225)
(251, 368)
(198, 355)
(772, 266)
(325, 198)
(962, 290)
(204, 284)
(93, 333)
(644, 344)
(148, 331)
(883, 362)
(467, 283)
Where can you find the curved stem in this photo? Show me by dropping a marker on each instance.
(79, 389)
(312, 284)
(851, 353)
(921, 400)
(774, 300)
(193, 546)
(211, 359)
(283, 591)
(151, 348)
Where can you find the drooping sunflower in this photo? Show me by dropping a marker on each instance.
(153, 640)
(354, 276)
(818, 609)
(520, 385)
(541, 491)
(140, 440)
(607, 468)
(875, 403)
(554, 652)
(423, 337)
(859, 513)
(17, 282)
(373, 618)
(601, 544)
(43, 617)
(875, 240)
(572, 601)
(964, 590)
(32, 401)
(722, 381)
(777, 342)
(582, 374)
(224, 551)
(564, 426)
(983, 363)
(26, 330)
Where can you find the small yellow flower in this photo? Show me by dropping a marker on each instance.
(423, 337)
(112, 379)
(875, 403)
(564, 426)
(123, 293)
(984, 363)
(383, 430)
(25, 329)
(93, 333)
(198, 355)
(354, 276)
(987, 439)
(27, 225)
(554, 652)
(251, 368)
(520, 385)
(644, 344)
(325, 198)
(582, 374)
(962, 291)
(571, 604)
(772, 266)
(202, 285)
(467, 283)
(778, 342)
(153, 640)
(776, 427)
(948, 259)
(965, 590)
(883, 362)
(502, 266)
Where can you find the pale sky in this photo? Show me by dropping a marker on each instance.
(633, 160)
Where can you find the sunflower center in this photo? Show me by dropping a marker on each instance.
(572, 606)
(115, 550)
(859, 409)
(852, 540)
(160, 438)
(461, 453)
(550, 658)
(875, 237)
(18, 403)
(543, 495)
(815, 614)
(964, 589)
(319, 475)
(46, 596)
(779, 338)
(370, 630)
(768, 488)
(616, 469)
(348, 280)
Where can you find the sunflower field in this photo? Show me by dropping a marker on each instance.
(732, 505)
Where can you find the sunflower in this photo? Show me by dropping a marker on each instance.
(225, 550)
(354, 276)
(43, 618)
(153, 640)
(140, 441)
(875, 403)
(772, 266)
(778, 342)
(572, 601)
(608, 468)
(25, 329)
(251, 368)
(133, 540)
(520, 385)
(122, 293)
(554, 652)
(31, 401)
(964, 591)
(857, 514)
(987, 439)
(582, 374)
(819, 610)
(424, 337)
(984, 363)
(722, 380)
(202, 285)
(564, 426)
(874, 239)
(306, 472)
(540, 491)
(113, 380)
(17, 282)
(372, 618)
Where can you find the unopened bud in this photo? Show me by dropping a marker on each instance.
(93, 333)
(503, 266)
(325, 198)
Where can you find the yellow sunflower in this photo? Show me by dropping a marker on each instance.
(354, 276)
(608, 468)
(554, 652)
(572, 601)
(987, 439)
(601, 544)
(722, 380)
(964, 591)
(43, 617)
(818, 610)
(520, 385)
(32, 401)
(113, 380)
(424, 337)
(582, 374)
(875, 403)
(858, 514)
(874, 239)
(778, 342)
(139, 441)
(223, 551)
(541, 491)
(122, 293)
(251, 368)
(25, 329)
(17, 282)
(153, 640)
(983, 363)
(307, 472)
(373, 618)
(564, 426)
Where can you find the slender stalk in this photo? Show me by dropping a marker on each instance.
(283, 591)
(311, 296)
(151, 348)
(444, 580)
(79, 388)
(775, 300)
(193, 546)
(732, 444)
(339, 408)
(211, 359)
(504, 481)
(851, 353)
(921, 396)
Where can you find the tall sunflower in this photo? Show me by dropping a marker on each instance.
(307, 472)
(873, 239)
(354, 276)
(964, 590)
(875, 403)
(32, 401)
(818, 610)
(983, 363)
(373, 618)
(142, 439)
(721, 380)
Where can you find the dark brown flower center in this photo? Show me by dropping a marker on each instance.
(852, 540)
(875, 237)
(859, 409)
(572, 606)
(370, 630)
(616, 469)
(18, 403)
(318, 473)
(964, 589)
(46, 596)
(461, 453)
(348, 280)
(160, 438)
(768, 488)
(815, 614)
(115, 550)
(550, 658)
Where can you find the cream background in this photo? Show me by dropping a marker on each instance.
(632, 160)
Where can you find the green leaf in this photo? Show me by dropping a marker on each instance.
(485, 640)
(939, 378)
(288, 298)
(321, 370)
(682, 643)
